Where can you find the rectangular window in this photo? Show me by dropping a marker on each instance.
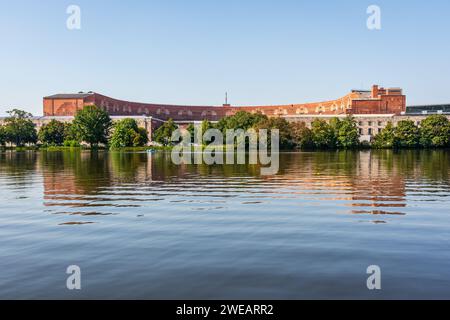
(370, 131)
(360, 131)
(370, 123)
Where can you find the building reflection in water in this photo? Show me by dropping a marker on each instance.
(366, 182)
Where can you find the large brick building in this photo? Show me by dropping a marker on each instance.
(376, 101)
(372, 109)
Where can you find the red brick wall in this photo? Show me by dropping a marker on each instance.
(351, 103)
(366, 106)
(62, 107)
(187, 113)
(394, 104)
(48, 107)
(385, 104)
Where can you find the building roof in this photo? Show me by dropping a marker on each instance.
(429, 109)
(80, 95)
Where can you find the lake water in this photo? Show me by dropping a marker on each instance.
(140, 227)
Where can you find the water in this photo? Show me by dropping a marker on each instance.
(141, 227)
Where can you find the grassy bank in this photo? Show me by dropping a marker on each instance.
(80, 148)
(222, 148)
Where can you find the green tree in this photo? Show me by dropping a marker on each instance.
(406, 135)
(277, 123)
(71, 138)
(385, 139)
(206, 125)
(2, 135)
(347, 133)
(163, 134)
(335, 123)
(302, 136)
(92, 125)
(191, 129)
(241, 120)
(70, 132)
(142, 138)
(52, 133)
(19, 128)
(323, 134)
(126, 133)
(435, 132)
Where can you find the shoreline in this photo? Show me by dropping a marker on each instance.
(167, 148)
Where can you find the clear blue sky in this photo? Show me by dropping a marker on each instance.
(192, 51)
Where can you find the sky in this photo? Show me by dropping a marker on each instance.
(193, 51)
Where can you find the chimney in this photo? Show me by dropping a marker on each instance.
(375, 91)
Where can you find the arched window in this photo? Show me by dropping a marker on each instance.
(302, 110)
(208, 113)
(163, 111)
(320, 109)
(280, 111)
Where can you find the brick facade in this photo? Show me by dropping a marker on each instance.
(376, 101)
(371, 109)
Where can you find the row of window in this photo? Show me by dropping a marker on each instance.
(160, 111)
(379, 123)
(164, 111)
(371, 123)
(370, 131)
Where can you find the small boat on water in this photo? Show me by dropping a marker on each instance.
(151, 151)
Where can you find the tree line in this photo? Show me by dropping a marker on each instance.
(434, 132)
(93, 125)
